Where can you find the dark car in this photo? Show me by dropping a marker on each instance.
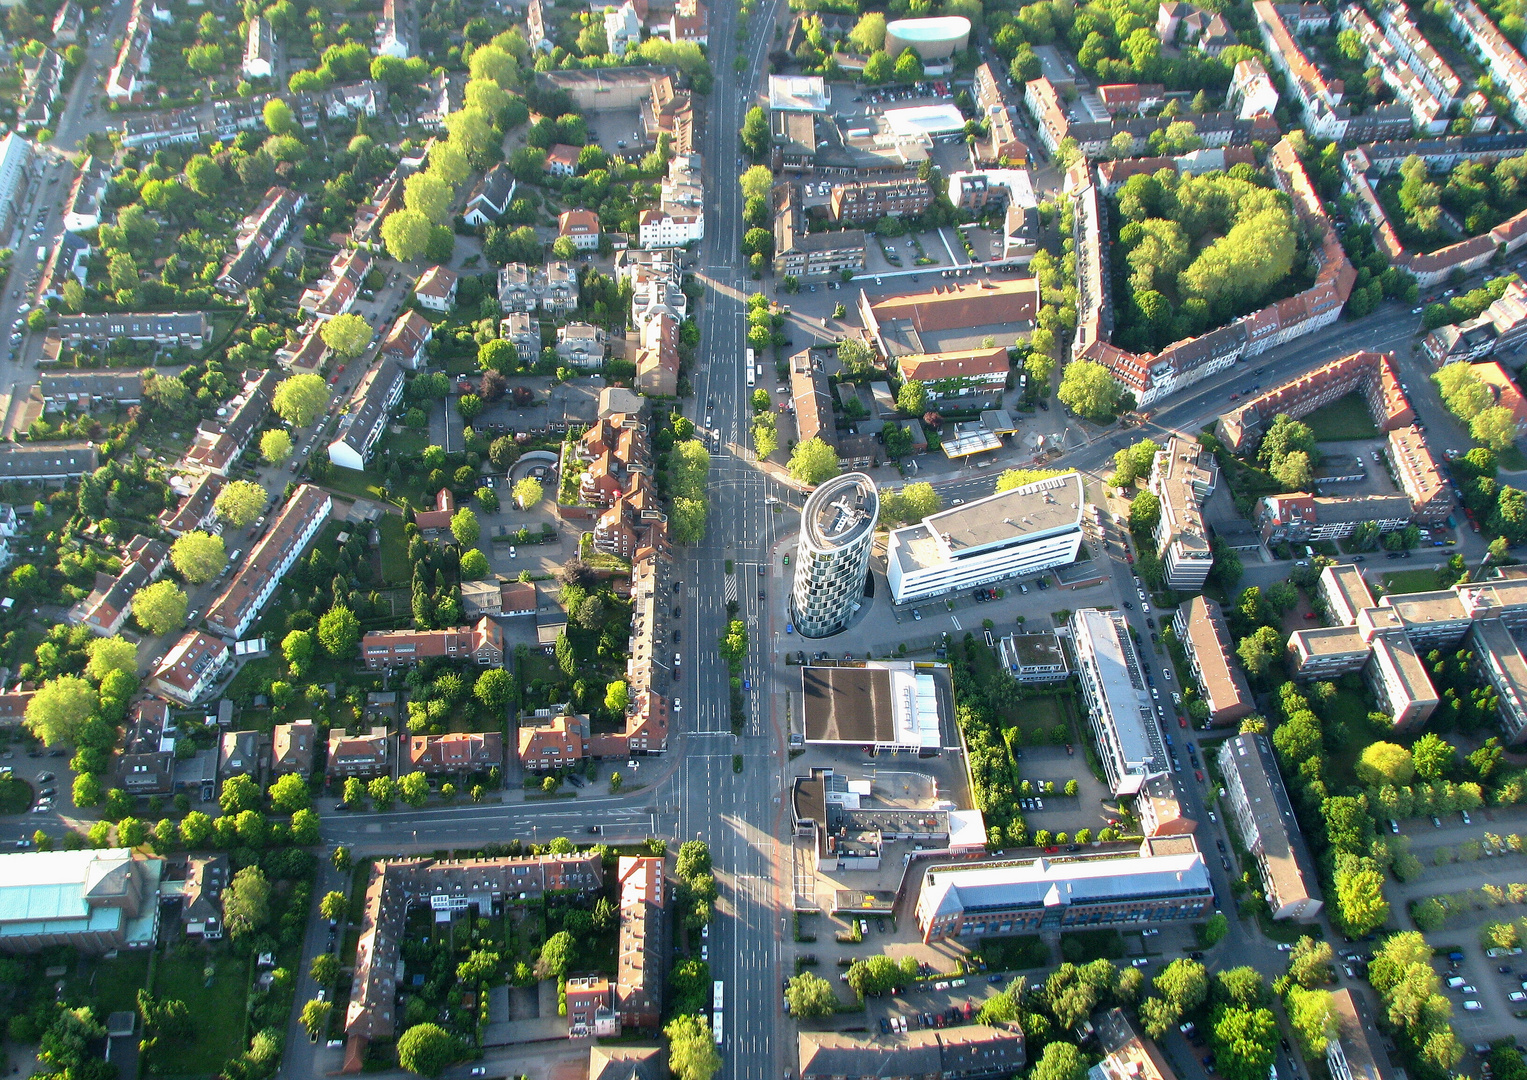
(677, 611)
(45, 777)
(594, 831)
(760, 594)
(678, 586)
(47, 793)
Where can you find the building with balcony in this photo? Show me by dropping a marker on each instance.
(1206, 643)
(1264, 821)
(1123, 720)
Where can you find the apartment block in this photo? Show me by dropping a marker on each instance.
(1264, 820)
(456, 752)
(871, 200)
(1398, 680)
(253, 584)
(1182, 476)
(362, 756)
(191, 668)
(146, 763)
(1206, 643)
(641, 953)
(1500, 659)
(482, 643)
(805, 254)
(1344, 592)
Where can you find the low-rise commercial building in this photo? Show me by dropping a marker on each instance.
(1034, 658)
(892, 706)
(1264, 820)
(1166, 882)
(1205, 640)
(1014, 533)
(970, 1052)
(1119, 706)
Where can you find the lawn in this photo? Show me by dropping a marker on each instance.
(216, 1005)
(1017, 953)
(361, 485)
(1083, 946)
(114, 984)
(1342, 420)
(1511, 459)
(394, 549)
(1409, 581)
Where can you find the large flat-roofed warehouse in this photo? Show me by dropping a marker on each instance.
(1023, 531)
(1166, 882)
(889, 706)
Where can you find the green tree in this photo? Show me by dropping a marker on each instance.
(1310, 1015)
(199, 556)
(813, 461)
(413, 788)
(1260, 650)
(60, 709)
(868, 34)
(240, 793)
(474, 565)
(756, 139)
(333, 906)
(1310, 962)
(1294, 471)
(1060, 1061)
(480, 965)
(204, 175)
(246, 903)
(756, 182)
(1144, 513)
(427, 1049)
(617, 696)
(301, 399)
(290, 793)
(239, 503)
(691, 1048)
(339, 631)
(315, 1016)
(406, 234)
(1216, 929)
(528, 492)
(299, 647)
(275, 446)
(912, 398)
(383, 790)
(1434, 756)
(1244, 1040)
(810, 997)
(279, 119)
(111, 654)
(1383, 763)
(495, 689)
(556, 956)
(464, 527)
(324, 969)
(355, 791)
(347, 334)
(1089, 390)
(1360, 903)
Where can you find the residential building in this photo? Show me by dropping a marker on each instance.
(155, 130)
(1305, 518)
(1264, 821)
(1503, 392)
(458, 752)
(1500, 327)
(370, 407)
(1428, 112)
(362, 756)
(259, 234)
(833, 557)
(188, 328)
(241, 753)
(669, 111)
(259, 49)
(252, 585)
(201, 896)
(934, 326)
(67, 22)
(1166, 882)
(1500, 659)
(871, 200)
(562, 160)
(292, 748)
(1493, 50)
(552, 742)
(1183, 475)
(1160, 808)
(336, 292)
(109, 604)
(146, 763)
(581, 227)
(479, 598)
(1397, 677)
(1015, 533)
(1034, 658)
(66, 261)
(891, 706)
(482, 643)
(581, 344)
(589, 1011)
(49, 462)
(657, 361)
(406, 343)
(1127, 1055)
(969, 1051)
(191, 668)
(523, 331)
(98, 901)
(76, 390)
(490, 197)
(436, 289)
(83, 210)
(386, 198)
(217, 445)
(1119, 705)
(15, 176)
(124, 84)
(1350, 1052)
(1251, 91)
(690, 23)
(41, 81)
(664, 228)
(391, 34)
(1369, 374)
(641, 953)
(485, 885)
(1206, 644)
(804, 254)
(622, 28)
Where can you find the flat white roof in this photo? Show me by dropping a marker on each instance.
(925, 120)
(798, 93)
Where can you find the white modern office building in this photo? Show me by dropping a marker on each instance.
(837, 532)
(1118, 701)
(1023, 531)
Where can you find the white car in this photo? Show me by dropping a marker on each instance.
(1472, 1006)
(1284, 946)
(1516, 995)
(511, 551)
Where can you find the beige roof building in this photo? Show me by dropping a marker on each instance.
(1264, 820)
